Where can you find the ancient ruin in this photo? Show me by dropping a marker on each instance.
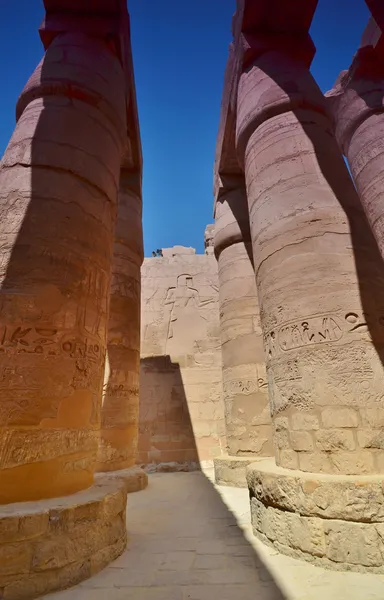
(247, 414)
(76, 137)
(261, 358)
(320, 281)
(181, 414)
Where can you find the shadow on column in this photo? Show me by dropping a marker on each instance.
(368, 262)
(166, 438)
(58, 184)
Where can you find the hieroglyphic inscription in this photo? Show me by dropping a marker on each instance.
(30, 340)
(86, 356)
(46, 341)
(17, 448)
(240, 386)
(120, 390)
(286, 371)
(319, 329)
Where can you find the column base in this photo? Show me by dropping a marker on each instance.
(135, 478)
(232, 470)
(50, 545)
(172, 467)
(332, 521)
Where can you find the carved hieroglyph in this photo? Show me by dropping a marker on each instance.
(120, 405)
(247, 413)
(319, 276)
(58, 184)
(181, 415)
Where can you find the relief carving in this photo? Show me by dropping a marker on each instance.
(186, 322)
(32, 387)
(314, 330)
(240, 386)
(318, 329)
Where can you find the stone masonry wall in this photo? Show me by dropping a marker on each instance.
(181, 412)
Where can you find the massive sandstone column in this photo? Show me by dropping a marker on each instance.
(58, 186)
(358, 110)
(58, 197)
(247, 414)
(120, 409)
(320, 286)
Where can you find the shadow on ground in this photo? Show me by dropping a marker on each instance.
(184, 544)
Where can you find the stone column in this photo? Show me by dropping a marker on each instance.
(358, 110)
(247, 414)
(120, 409)
(320, 286)
(58, 189)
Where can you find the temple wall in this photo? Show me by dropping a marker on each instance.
(181, 411)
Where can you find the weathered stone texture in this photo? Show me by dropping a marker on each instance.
(181, 413)
(232, 470)
(120, 404)
(134, 478)
(356, 104)
(247, 413)
(58, 184)
(319, 275)
(52, 544)
(333, 521)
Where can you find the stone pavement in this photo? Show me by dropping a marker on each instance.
(191, 540)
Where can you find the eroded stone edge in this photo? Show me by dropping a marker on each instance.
(62, 542)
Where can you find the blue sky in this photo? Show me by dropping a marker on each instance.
(180, 50)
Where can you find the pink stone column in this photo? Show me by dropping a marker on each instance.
(357, 105)
(247, 414)
(319, 276)
(58, 189)
(120, 410)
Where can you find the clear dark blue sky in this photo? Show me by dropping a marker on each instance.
(180, 50)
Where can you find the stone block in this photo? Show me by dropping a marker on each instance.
(371, 438)
(331, 440)
(289, 459)
(339, 417)
(353, 463)
(65, 539)
(313, 494)
(301, 441)
(281, 423)
(289, 529)
(231, 470)
(113, 505)
(372, 417)
(89, 511)
(15, 559)
(281, 439)
(304, 421)
(34, 585)
(353, 543)
(24, 527)
(83, 541)
(315, 462)
(306, 534)
(331, 521)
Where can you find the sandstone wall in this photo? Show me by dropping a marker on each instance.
(181, 412)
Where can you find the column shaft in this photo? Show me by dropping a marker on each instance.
(120, 410)
(58, 188)
(357, 106)
(319, 275)
(247, 414)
